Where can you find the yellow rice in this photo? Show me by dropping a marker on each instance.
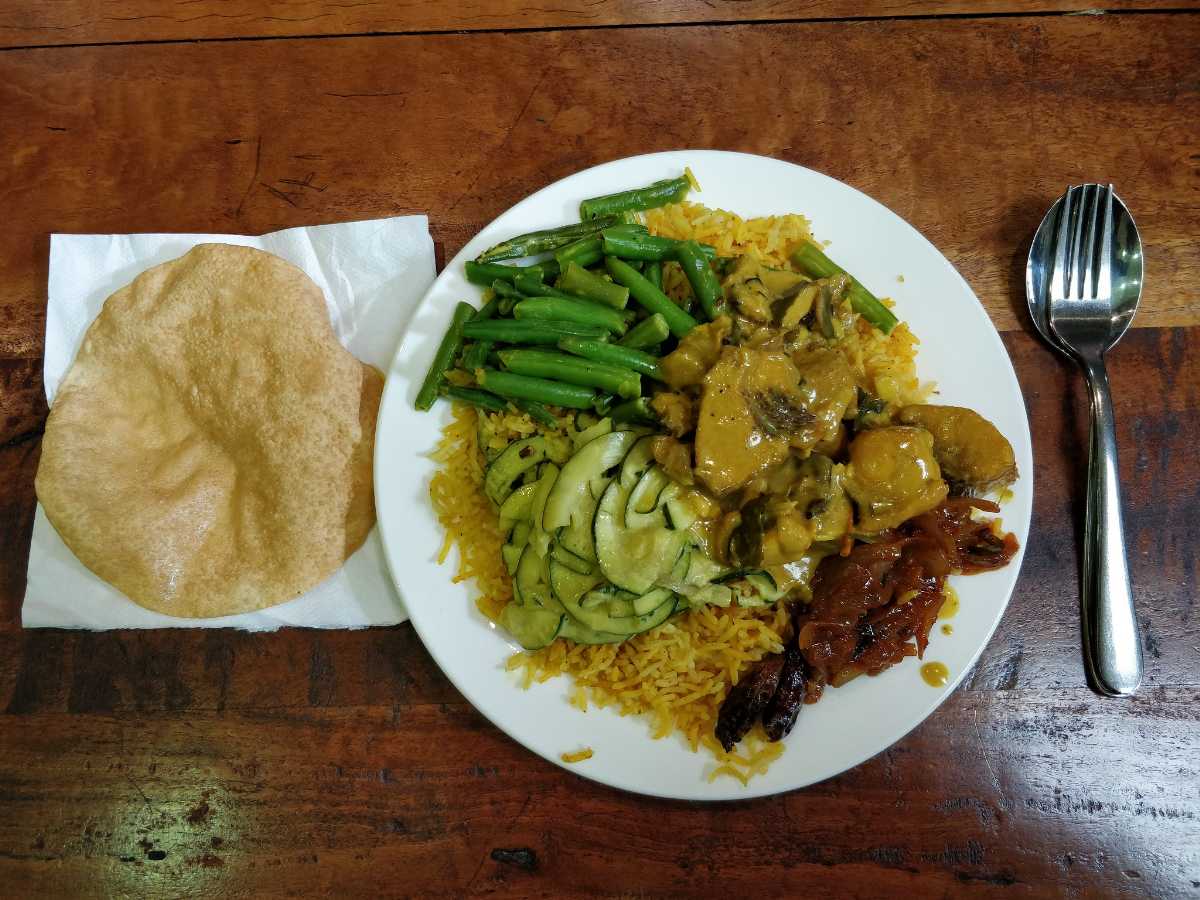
(678, 674)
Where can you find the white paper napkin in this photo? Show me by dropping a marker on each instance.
(372, 274)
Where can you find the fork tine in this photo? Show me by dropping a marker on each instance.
(1062, 241)
(1085, 253)
(1104, 269)
(1074, 271)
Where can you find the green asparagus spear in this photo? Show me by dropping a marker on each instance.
(582, 283)
(573, 370)
(521, 387)
(443, 359)
(613, 355)
(660, 193)
(811, 261)
(547, 240)
(579, 311)
(650, 297)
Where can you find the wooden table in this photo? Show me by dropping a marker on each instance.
(204, 763)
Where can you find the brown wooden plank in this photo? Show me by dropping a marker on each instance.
(81, 22)
(966, 128)
(998, 794)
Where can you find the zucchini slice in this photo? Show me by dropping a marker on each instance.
(571, 505)
(517, 459)
(634, 559)
(518, 507)
(533, 627)
(565, 557)
(581, 634)
(568, 586)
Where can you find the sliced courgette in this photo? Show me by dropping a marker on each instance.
(517, 459)
(569, 586)
(533, 627)
(601, 428)
(679, 513)
(530, 584)
(644, 508)
(538, 537)
(511, 554)
(575, 563)
(599, 620)
(571, 504)
(518, 506)
(581, 634)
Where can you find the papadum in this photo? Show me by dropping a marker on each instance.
(209, 451)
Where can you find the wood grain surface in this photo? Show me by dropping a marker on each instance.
(74, 22)
(967, 129)
(214, 763)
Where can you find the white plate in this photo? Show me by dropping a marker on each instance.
(960, 350)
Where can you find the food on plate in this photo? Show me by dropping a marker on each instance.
(727, 494)
(209, 451)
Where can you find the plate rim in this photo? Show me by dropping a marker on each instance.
(733, 791)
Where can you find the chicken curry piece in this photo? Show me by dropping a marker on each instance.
(970, 450)
(893, 476)
(751, 398)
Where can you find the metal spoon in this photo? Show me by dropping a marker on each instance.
(1083, 282)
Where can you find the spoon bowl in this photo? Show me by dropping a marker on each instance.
(1125, 260)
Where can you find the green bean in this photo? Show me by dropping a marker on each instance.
(649, 297)
(489, 309)
(579, 311)
(586, 252)
(475, 355)
(812, 262)
(651, 330)
(634, 412)
(507, 296)
(660, 193)
(443, 359)
(647, 247)
(473, 397)
(522, 387)
(613, 355)
(701, 277)
(531, 331)
(537, 412)
(573, 370)
(529, 284)
(550, 268)
(582, 283)
(653, 273)
(546, 241)
(486, 273)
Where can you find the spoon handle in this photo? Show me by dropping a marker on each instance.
(1112, 643)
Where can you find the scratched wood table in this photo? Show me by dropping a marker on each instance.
(206, 763)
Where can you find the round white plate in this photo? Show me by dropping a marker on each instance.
(960, 350)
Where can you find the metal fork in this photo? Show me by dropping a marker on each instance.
(1088, 312)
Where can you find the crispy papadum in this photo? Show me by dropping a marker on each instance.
(209, 451)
